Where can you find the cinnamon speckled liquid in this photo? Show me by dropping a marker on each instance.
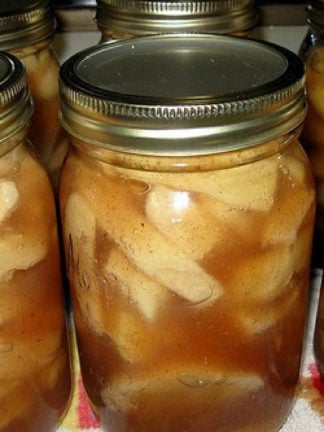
(312, 138)
(45, 132)
(189, 286)
(35, 379)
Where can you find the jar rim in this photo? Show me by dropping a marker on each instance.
(25, 22)
(315, 14)
(218, 93)
(150, 17)
(15, 102)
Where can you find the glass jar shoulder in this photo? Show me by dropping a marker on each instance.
(42, 66)
(45, 131)
(274, 193)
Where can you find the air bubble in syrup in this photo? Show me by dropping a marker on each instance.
(198, 381)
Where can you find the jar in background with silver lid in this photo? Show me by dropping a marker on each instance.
(187, 208)
(26, 30)
(123, 19)
(34, 359)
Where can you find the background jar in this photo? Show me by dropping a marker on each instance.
(34, 359)
(122, 19)
(189, 267)
(27, 30)
(319, 333)
(312, 138)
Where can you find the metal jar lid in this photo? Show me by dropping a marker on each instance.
(182, 94)
(23, 22)
(15, 102)
(315, 14)
(143, 17)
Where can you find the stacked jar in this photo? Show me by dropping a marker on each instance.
(312, 52)
(27, 30)
(187, 207)
(34, 357)
(123, 19)
(319, 333)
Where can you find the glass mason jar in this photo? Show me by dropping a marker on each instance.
(319, 332)
(122, 19)
(27, 30)
(312, 138)
(187, 210)
(34, 358)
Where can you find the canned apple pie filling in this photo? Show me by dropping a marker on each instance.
(35, 378)
(187, 207)
(27, 29)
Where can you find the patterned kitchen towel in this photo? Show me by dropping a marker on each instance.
(307, 415)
